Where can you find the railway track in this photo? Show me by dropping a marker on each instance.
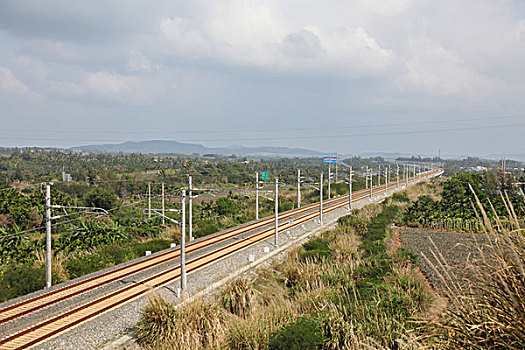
(58, 324)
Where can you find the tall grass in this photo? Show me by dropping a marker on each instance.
(341, 288)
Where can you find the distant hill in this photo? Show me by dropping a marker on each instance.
(174, 147)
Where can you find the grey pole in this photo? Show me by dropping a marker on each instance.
(415, 173)
(183, 239)
(329, 177)
(149, 200)
(257, 196)
(276, 200)
(190, 209)
(379, 176)
(163, 207)
(397, 177)
(48, 235)
(298, 188)
(386, 180)
(366, 178)
(405, 169)
(371, 184)
(321, 200)
(350, 190)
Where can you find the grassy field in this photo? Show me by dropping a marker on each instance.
(344, 289)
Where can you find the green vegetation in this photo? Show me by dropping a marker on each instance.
(343, 289)
(305, 333)
(457, 200)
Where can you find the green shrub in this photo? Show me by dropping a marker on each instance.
(115, 255)
(401, 197)
(89, 235)
(305, 333)
(84, 265)
(101, 198)
(21, 280)
(206, 229)
(153, 246)
(315, 249)
(357, 223)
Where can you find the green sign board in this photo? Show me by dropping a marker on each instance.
(265, 175)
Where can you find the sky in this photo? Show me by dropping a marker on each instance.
(411, 76)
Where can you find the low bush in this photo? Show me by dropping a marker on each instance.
(21, 280)
(305, 333)
(85, 264)
(315, 249)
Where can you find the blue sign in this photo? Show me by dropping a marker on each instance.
(330, 160)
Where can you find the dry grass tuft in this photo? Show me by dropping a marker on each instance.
(197, 325)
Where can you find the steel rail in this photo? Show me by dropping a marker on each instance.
(37, 303)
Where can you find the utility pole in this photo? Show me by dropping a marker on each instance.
(163, 219)
(149, 200)
(183, 239)
(350, 190)
(329, 177)
(379, 176)
(407, 174)
(336, 164)
(48, 235)
(190, 208)
(256, 196)
(321, 200)
(276, 200)
(386, 180)
(371, 183)
(397, 176)
(298, 188)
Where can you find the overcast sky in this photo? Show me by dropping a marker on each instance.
(412, 76)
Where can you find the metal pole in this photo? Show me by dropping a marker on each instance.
(329, 177)
(276, 199)
(48, 236)
(257, 196)
(366, 178)
(298, 188)
(397, 176)
(406, 176)
(350, 190)
(329, 172)
(163, 219)
(149, 200)
(379, 176)
(321, 200)
(190, 209)
(336, 165)
(371, 183)
(386, 181)
(183, 239)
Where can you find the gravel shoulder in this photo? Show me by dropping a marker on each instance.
(444, 257)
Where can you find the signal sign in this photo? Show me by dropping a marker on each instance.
(330, 160)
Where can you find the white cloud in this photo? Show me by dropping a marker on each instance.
(440, 71)
(10, 84)
(48, 49)
(110, 85)
(139, 62)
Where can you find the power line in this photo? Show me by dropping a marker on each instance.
(359, 126)
(296, 137)
(83, 216)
